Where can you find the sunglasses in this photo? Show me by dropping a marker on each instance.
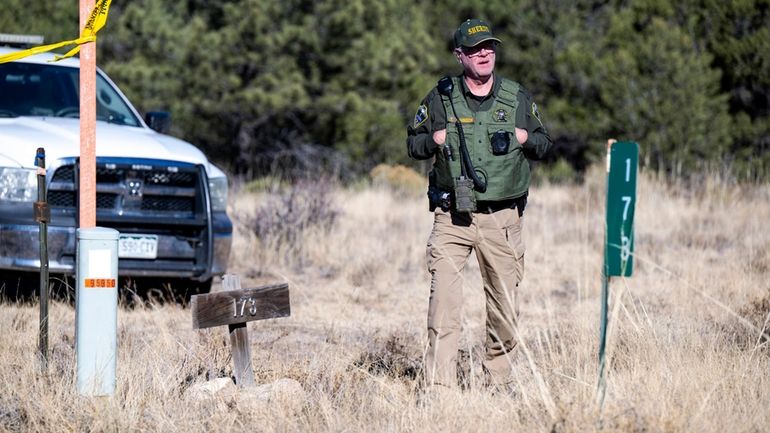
(475, 51)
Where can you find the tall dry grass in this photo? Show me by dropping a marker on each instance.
(686, 349)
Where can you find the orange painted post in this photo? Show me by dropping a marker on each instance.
(87, 172)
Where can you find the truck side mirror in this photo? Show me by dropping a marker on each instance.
(158, 120)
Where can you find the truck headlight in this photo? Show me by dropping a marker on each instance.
(18, 184)
(218, 189)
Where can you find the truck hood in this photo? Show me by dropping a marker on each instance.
(60, 137)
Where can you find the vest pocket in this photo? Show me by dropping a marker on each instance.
(501, 142)
(447, 169)
(502, 139)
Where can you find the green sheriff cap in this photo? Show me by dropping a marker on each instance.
(473, 32)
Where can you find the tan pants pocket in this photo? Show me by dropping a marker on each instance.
(513, 234)
(515, 238)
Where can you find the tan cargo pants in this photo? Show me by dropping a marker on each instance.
(497, 239)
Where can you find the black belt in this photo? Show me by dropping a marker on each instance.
(489, 207)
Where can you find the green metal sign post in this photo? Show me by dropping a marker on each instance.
(622, 161)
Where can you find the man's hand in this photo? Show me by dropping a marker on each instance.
(439, 137)
(521, 135)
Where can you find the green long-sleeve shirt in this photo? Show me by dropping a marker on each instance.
(432, 117)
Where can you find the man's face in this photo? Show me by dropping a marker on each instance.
(479, 61)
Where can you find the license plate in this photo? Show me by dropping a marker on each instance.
(138, 246)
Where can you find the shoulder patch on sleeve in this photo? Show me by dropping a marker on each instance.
(421, 116)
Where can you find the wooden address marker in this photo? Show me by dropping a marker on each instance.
(235, 307)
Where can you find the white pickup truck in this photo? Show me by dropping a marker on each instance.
(161, 193)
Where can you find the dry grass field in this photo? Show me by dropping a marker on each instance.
(688, 343)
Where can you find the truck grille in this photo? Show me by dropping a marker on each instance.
(145, 189)
(106, 201)
(104, 174)
(143, 197)
(61, 198)
(69, 199)
(64, 174)
(168, 204)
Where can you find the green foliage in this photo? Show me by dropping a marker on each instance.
(247, 77)
(247, 80)
(56, 20)
(737, 35)
(661, 93)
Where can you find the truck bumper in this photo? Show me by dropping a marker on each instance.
(20, 251)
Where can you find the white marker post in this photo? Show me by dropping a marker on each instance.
(96, 319)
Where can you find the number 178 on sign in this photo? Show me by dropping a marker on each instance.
(621, 200)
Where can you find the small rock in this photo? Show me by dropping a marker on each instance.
(260, 392)
(288, 389)
(222, 387)
(285, 392)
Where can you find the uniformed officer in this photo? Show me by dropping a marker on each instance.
(481, 130)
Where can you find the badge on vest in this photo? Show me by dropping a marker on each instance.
(501, 115)
(421, 116)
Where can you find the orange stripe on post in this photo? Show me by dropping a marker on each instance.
(100, 283)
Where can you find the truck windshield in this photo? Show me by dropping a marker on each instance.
(28, 89)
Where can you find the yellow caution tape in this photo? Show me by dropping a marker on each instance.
(96, 20)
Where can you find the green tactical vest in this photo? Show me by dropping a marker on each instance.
(507, 175)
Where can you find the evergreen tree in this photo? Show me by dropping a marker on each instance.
(737, 36)
(251, 80)
(55, 20)
(661, 92)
